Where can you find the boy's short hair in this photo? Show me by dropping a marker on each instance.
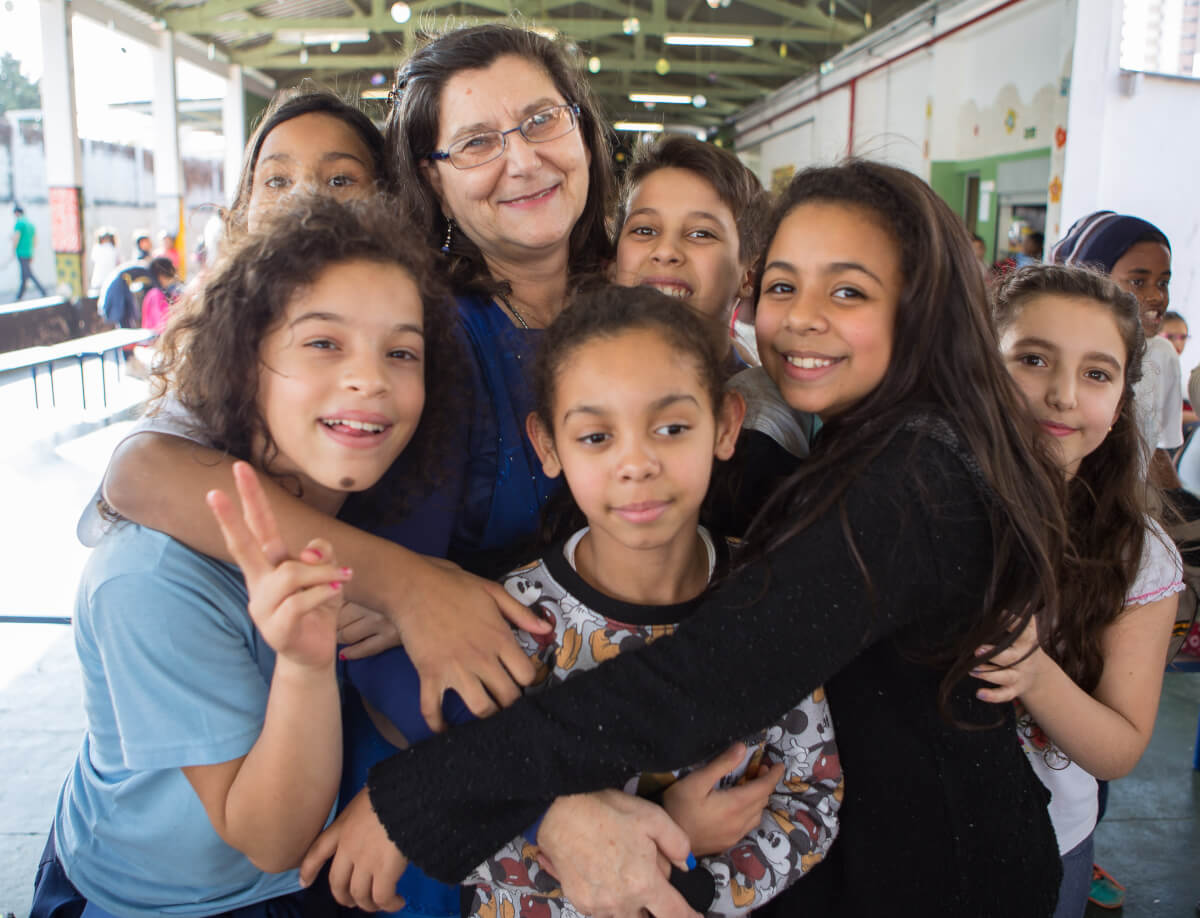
(735, 185)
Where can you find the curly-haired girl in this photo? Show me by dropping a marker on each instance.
(308, 354)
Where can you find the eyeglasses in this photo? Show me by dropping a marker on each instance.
(540, 127)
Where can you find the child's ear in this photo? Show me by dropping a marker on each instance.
(746, 290)
(729, 424)
(543, 445)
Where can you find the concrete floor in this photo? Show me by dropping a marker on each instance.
(1150, 839)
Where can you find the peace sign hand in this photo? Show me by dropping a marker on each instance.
(294, 603)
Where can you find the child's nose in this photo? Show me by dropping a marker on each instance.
(666, 251)
(366, 376)
(638, 461)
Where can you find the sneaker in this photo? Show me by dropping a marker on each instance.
(1105, 892)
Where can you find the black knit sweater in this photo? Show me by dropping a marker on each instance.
(946, 820)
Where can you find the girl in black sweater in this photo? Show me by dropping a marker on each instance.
(925, 524)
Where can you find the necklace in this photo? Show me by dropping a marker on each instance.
(513, 309)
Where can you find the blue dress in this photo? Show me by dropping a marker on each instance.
(489, 503)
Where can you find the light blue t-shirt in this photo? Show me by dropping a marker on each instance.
(174, 674)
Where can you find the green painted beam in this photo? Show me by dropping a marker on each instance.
(345, 61)
(199, 21)
(809, 14)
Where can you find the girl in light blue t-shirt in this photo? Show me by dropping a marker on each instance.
(213, 748)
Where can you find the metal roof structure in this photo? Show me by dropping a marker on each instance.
(628, 46)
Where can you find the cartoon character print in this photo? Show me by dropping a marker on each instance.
(796, 829)
(800, 822)
(1035, 742)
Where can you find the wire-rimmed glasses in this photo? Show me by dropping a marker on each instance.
(544, 125)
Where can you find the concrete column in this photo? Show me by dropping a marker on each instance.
(1095, 72)
(168, 169)
(64, 158)
(233, 126)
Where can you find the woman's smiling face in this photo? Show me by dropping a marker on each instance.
(527, 200)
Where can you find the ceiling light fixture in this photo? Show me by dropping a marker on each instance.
(715, 41)
(666, 97)
(631, 26)
(304, 55)
(662, 66)
(644, 127)
(593, 64)
(401, 12)
(699, 101)
(374, 94)
(323, 37)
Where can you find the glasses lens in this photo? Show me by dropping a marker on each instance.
(548, 124)
(476, 150)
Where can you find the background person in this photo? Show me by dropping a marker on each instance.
(23, 239)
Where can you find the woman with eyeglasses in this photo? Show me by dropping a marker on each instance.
(504, 161)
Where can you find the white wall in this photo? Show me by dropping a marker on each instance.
(947, 101)
(1134, 147)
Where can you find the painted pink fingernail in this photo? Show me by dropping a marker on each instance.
(336, 584)
(346, 572)
(341, 655)
(316, 552)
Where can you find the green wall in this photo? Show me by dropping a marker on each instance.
(949, 179)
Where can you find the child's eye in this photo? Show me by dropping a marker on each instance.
(847, 293)
(321, 344)
(593, 439)
(672, 430)
(404, 353)
(1032, 360)
(702, 234)
(1136, 282)
(342, 181)
(277, 182)
(1098, 375)
(780, 288)
(642, 230)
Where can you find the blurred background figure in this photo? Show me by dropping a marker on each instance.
(166, 248)
(141, 246)
(23, 239)
(103, 257)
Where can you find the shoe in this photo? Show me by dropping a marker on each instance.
(1105, 891)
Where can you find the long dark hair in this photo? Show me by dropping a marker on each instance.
(413, 125)
(1108, 498)
(210, 349)
(306, 99)
(945, 362)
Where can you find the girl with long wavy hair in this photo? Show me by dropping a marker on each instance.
(1087, 687)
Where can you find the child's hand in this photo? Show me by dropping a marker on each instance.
(293, 603)
(716, 820)
(363, 632)
(1024, 668)
(366, 865)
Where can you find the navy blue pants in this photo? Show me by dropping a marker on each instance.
(27, 275)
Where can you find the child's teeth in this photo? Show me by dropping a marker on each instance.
(810, 363)
(673, 290)
(354, 425)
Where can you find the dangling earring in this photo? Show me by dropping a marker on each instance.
(449, 236)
